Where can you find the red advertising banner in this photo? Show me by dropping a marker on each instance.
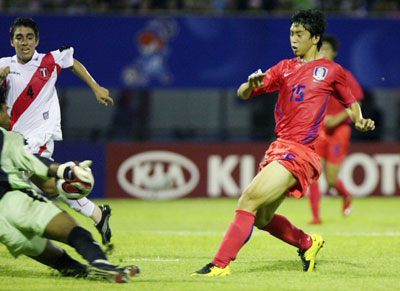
(169, 171)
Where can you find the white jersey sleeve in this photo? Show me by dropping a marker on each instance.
(3, 62)
(64, 57)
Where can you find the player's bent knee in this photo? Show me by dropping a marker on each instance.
(260, 223)
(250, 201)
(60, 227)
(263, 217)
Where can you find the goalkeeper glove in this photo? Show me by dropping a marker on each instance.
(78, 174)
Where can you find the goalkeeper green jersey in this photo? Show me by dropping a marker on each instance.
(14, 160)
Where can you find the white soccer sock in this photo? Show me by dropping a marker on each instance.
(83, 205)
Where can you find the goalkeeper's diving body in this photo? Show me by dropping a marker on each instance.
(29, 222)
(30, 78)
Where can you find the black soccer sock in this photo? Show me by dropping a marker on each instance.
(85, 245)
(67, 266)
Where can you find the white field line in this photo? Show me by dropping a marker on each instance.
(388, 233)
(157, 259)
(257, 233)
(183, 233)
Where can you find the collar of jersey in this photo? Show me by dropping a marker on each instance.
(34, 59)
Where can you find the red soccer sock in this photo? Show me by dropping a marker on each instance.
(280, 227)
(341, 189)
(315, 198)
(238, 234)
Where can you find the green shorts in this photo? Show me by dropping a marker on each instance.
(24, 216)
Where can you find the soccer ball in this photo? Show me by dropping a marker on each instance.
(76, 189)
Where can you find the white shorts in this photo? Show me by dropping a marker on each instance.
(43, 148)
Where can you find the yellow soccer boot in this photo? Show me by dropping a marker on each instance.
(308, 256)
(211, 270)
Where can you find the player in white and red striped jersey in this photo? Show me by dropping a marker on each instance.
(30, 78)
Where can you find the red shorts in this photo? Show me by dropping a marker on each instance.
(333, 145)
(299, 159)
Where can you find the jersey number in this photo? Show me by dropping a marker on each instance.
(30, 92)
(297, 91)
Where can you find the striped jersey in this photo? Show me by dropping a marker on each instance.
(32, 97)
(304, 93)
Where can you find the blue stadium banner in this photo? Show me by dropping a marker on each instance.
(205, 51)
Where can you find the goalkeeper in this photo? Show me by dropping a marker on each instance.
(28, 221)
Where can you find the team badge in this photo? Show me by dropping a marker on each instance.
(44, 72)
(320, 73)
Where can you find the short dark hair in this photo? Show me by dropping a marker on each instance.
(313, 21)
(332, 40)
(24, 21)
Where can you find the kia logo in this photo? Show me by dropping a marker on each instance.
(158, 175)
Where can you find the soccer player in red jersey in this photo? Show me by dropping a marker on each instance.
(334, 137)
(306, 84)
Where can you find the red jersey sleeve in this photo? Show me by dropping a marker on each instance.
(355, 87)
(271, 80)
(344, 94)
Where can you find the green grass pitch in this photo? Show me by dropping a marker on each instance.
(170, 239)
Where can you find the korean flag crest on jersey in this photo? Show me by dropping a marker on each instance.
(320, 73)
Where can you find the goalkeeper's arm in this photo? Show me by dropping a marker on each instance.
(76, 173)
(50, 185)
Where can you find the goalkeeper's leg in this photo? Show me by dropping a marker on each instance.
(57, 258)
(99, 214)
(64, 228)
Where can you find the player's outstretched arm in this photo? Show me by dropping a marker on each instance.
(102, 94)
(332, 121)
(4, 71)
(360, 123)
(255, 80)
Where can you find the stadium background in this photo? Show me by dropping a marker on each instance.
(177, 128)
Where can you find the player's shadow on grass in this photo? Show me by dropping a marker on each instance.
(337, 265)
(276, 266)
(4, 272)
(293, 265)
